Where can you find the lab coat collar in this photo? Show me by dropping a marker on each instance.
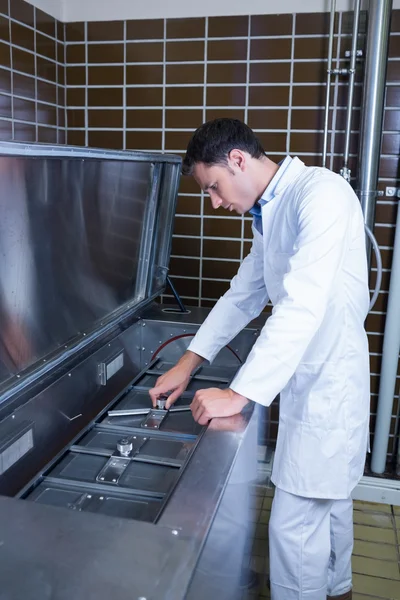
(293, 170)
(270, 191)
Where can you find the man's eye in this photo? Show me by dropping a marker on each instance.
(214, 187)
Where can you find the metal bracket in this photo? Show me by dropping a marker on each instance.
(338, 71)
(122, 456)
(112, 470)
(154, 419)
(392, 192)
(359, 54)
(346, 173)
(110, 367)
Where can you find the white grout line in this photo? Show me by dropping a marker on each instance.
(202, 198)
(32, 52)
(86, 86)
(310, 84)
(289, 117)
(200, 62)
(164, 92)
(246, 118)
(11, 75)
(211, 39)
(124, 92)
(57, 82)
(65, 84)
(36, 79)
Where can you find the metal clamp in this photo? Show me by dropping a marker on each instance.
(126, 450)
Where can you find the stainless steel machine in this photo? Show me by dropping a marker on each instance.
(101, 496)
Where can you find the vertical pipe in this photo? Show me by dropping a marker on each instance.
(372, 106)
(390, 359)
(345, 172)
(369, 154)
(328, 81)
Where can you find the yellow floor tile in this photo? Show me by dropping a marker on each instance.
(269, 492)
(258, 501)
(258, 490)
(377, 568)
(260, 548)
(372, 506)
(396, 510)
(261, 532)
(372, 550)
(264, 516)
(398, 522)
(374, 534)
(373, 519)
(376, 587)
(267, 503)
(254, 515)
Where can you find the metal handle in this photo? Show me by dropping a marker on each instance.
(131, 412)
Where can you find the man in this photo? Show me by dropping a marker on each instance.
(308, 257)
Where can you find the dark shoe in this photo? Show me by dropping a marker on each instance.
(346, 596)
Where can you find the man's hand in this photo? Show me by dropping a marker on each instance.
(211, 403)
(176, 379)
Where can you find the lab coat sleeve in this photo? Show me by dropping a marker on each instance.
(324, 215)
(243, 302)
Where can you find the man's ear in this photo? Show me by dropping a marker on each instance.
(237, 159)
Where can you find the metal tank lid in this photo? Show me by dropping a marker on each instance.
(85, 240)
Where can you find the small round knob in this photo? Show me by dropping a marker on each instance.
(124, 446)
(161, 401)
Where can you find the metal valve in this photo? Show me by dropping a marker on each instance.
(124, 446)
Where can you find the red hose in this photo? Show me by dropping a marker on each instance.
(184, 335)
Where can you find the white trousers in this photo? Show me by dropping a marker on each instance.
(310, 547)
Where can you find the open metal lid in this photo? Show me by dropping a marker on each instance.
(85, 236)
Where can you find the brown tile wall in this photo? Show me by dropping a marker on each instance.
(32, 74)
(148, 84)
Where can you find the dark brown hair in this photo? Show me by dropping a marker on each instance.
(212, 142)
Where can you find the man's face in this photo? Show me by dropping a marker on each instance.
(229, 186)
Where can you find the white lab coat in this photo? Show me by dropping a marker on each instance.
(313, 350)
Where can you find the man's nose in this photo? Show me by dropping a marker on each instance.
(215, 201)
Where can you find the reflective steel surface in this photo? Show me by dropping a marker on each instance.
(191, 483)
(76, 239)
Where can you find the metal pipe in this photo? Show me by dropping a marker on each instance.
(390, 360)
(177, 296)
(328, 82)
(378, 257)
(345, 171)
(398, 441)
(373, 105)
(369, 155)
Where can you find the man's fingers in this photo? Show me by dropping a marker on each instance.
(197, 407)
(174, 396)
(156, 391)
